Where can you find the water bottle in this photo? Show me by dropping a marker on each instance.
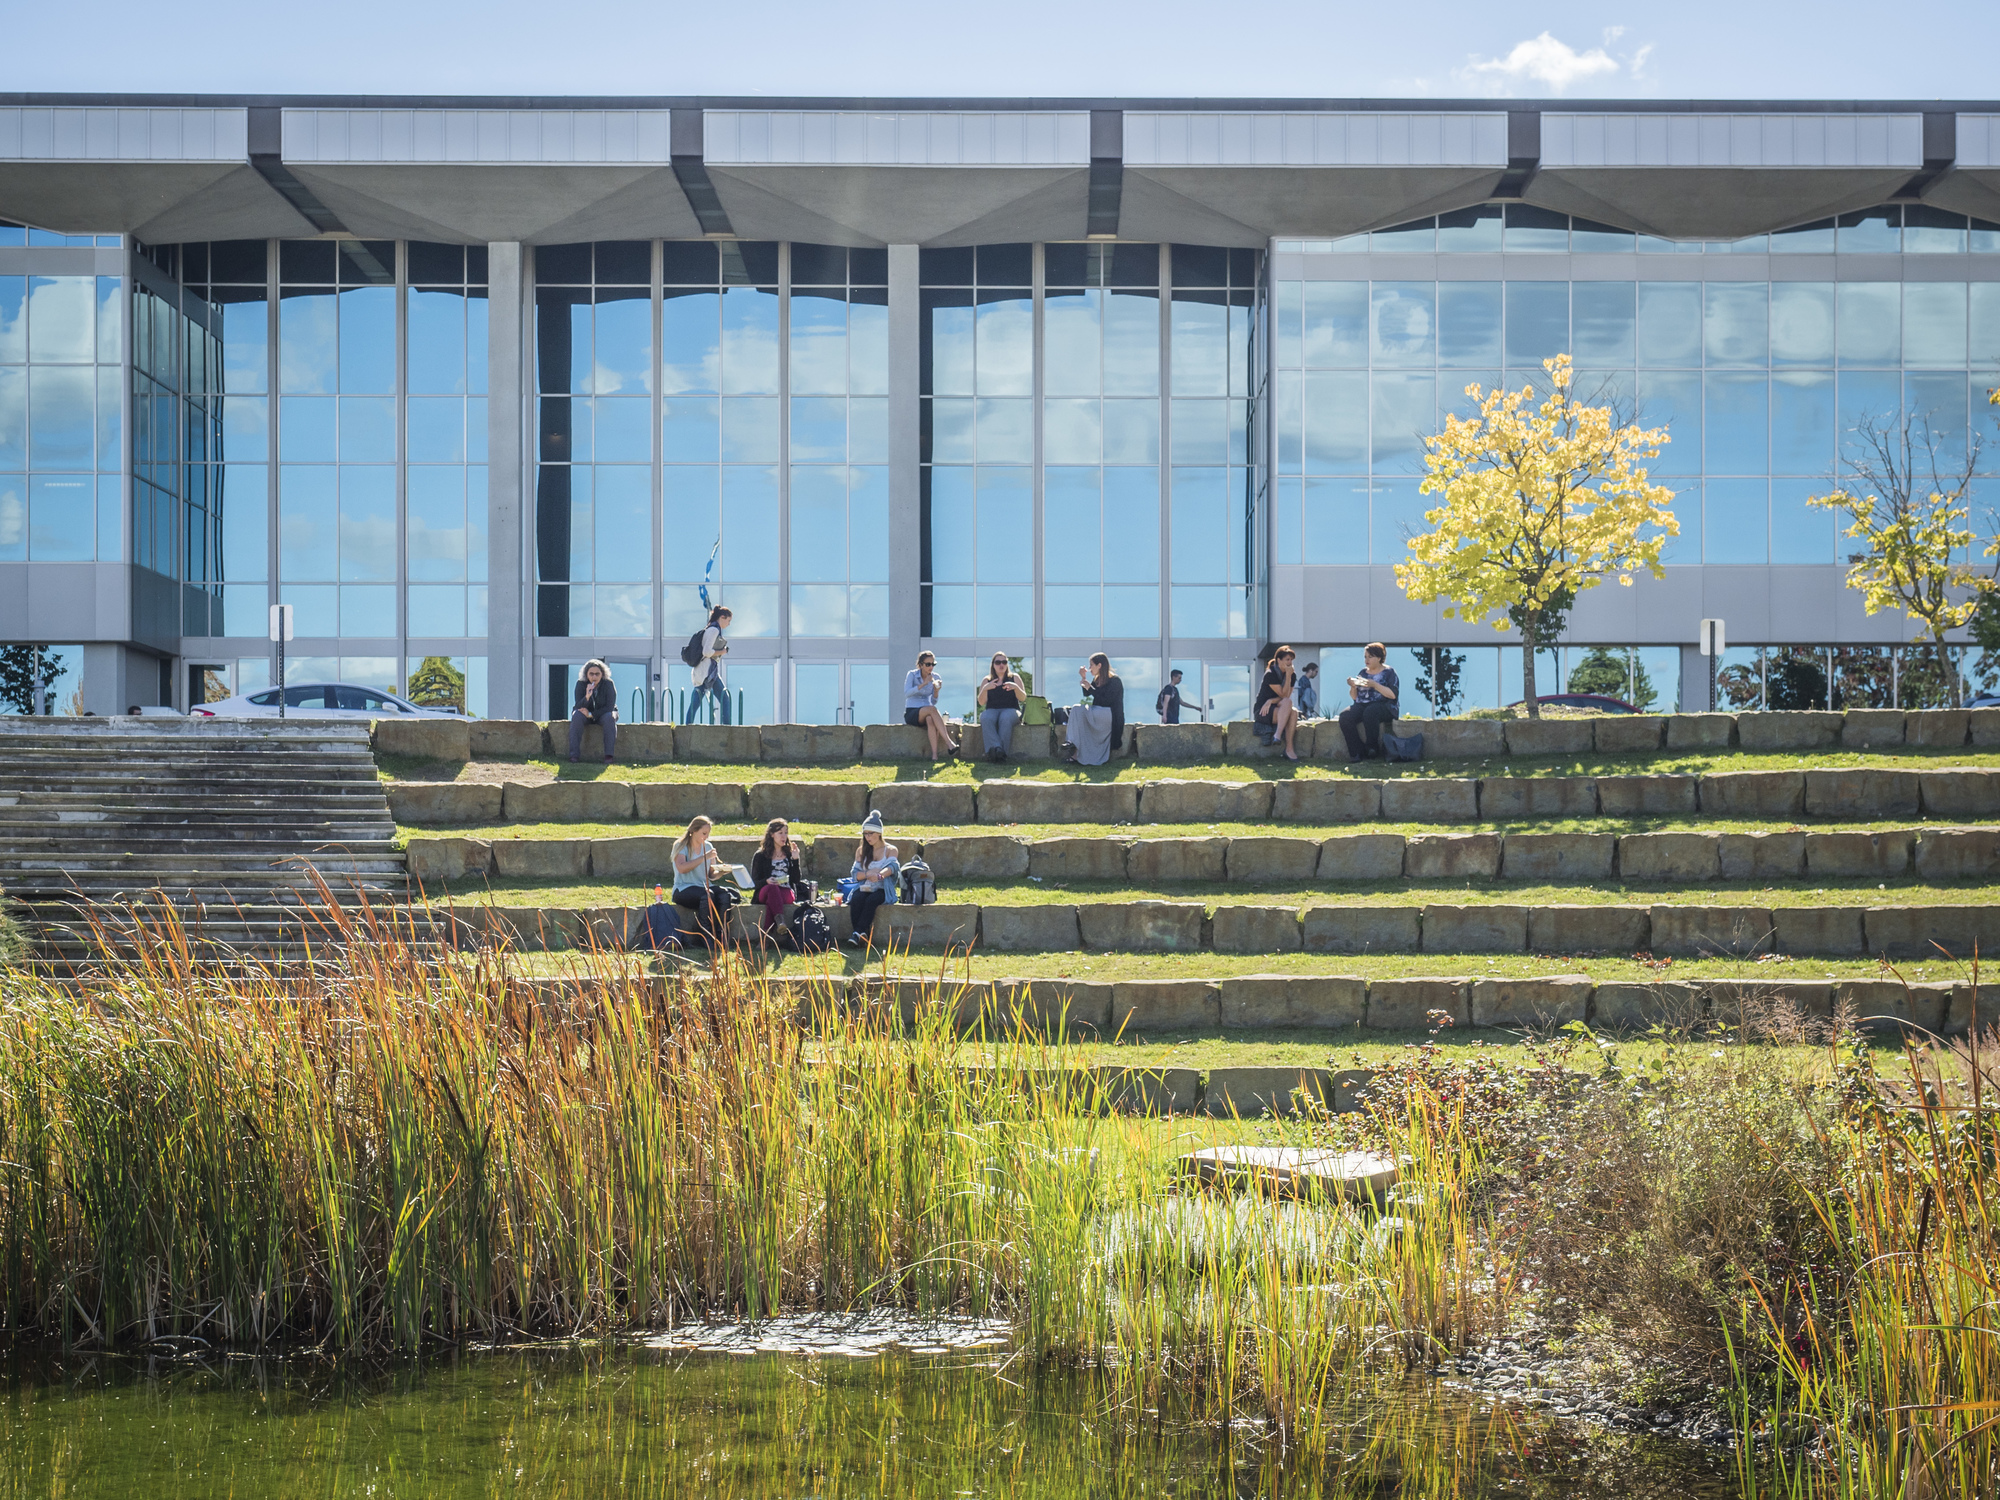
(659, 894)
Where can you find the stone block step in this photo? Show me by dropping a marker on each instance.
(1746, 930)
(1932, 853)
(1617, 734)
(1846, 795)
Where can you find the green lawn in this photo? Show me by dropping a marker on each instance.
(1664, 763)
(1204, 965)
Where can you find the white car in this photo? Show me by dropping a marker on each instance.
(319, 700)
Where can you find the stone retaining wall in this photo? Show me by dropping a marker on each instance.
(1438, 927)
(814, 744)
(1328, 1005)
(1690, 858)
(1847, 795)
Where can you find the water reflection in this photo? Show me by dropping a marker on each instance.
(663, 1421)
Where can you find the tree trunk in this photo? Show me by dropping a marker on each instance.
(1528, 674)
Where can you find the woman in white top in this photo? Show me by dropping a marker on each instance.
(920, 711)
(696, 863)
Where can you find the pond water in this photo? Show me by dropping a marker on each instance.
(813, 1411)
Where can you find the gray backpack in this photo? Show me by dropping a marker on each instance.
(918, 888)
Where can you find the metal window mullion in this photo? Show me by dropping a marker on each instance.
(1038, 284)
(781, 690)
(274, 591)
(657, 664)
(402, 388)
(1166, 469)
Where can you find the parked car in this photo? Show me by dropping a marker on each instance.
(1601, 702)
(320, 700)
(1983, 700)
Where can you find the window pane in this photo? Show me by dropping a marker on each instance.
(1073, 542)
(749, 523)
(436, 342)
(1470, 228)
(1736, 323)
(819, 429)
(946, 343)
(690, 431)
(1984, 321)
(308, 342)
(949, 536)
(1070, 343)
(368, 528)
(1532, 228)
(1132, 345)
(1132, 523)
(62, 517)
(1405, 414)
(1802, 423)
(1934, 323)
(1200, 347)
(1875, 230)
(1800, 533)
(1736, 521)
(624, 343)
(368, 340)
(1604, 322)
(1200, 519)
(1738, 423)
(1404, 323)
(1005, 431)
(1669, 323)
(1004, 345)
(1201, 432)
(1802, 323)
(750, 430)
(1469, 324)
(1072, 431)
(62, 418)
(435, 526)
(1336, 423)
(622, 521)
(1673, 401)
(691, 343)
(1537, 321)
(868, 524)
(868, 343)
(1397, 514)
(1869, 321)
(1005, 526)
(367, 429)
(1868, 398)
(245, 346)
(749, 341)
(62, 325)
(1336, 323)
(819, 344)
(1132, 432)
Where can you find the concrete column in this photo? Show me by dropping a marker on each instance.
(905, 490)
(509, 623)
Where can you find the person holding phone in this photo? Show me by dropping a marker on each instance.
(1276, 716)
(1097, 732)
(1001, 697)
(1373, 690)
(595, 702)
(921, 687)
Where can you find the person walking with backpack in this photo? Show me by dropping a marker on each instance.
(777, 873)
(875, 873)
(1168, 704)
(703, 655)
(594, 702)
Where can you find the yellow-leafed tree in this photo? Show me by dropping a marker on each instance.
(1908, 507)
(1540, 502)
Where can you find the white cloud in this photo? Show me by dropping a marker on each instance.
(1543, 60)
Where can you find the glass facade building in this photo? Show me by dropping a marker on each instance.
(483, 393)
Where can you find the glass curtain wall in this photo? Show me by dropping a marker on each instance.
(358, 370)
(62, 415)
(1765, 382)
(1146, 362)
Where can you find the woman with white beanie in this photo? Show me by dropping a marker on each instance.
(875, 872)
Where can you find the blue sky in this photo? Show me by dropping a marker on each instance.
(1920, 49)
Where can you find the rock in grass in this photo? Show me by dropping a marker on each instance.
(1291, 1170)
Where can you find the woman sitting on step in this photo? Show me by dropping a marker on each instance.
(696, 864)
(777, 873)
(875, 872)
(596, 702)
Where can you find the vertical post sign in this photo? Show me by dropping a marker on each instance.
(281, 631)
(1712, 647)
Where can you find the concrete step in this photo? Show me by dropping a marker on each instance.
(26, 835)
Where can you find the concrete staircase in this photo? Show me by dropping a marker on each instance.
(226, 827)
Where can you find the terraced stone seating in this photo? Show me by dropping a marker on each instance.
(808, 744)
(1738, 930)
(232, 824)
(1852, 795)
(1085, 1009)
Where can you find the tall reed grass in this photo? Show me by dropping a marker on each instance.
(386, 1149)
(1887, 1361)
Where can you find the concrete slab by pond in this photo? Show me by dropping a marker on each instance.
(1291, 1171)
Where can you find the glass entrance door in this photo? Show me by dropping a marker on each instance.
(839, 692)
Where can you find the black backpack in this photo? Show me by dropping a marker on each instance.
(919, 889)
(660, 931)
(810, 929)
(691, 652)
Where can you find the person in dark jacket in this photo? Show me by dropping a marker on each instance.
(1276, 718)
(596, 702)
(1168, 704)
(777, 873)
(1097, 732)
(1374, 690)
